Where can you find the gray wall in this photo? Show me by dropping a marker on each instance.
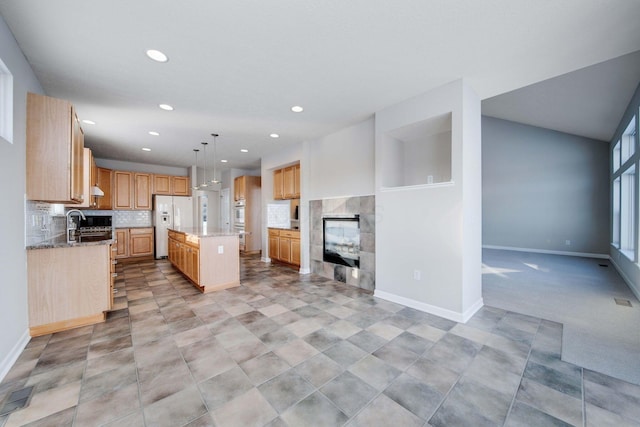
(541, 188)
(13, 287)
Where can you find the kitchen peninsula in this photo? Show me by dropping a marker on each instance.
(208, 257)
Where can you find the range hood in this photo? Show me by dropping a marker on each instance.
(96, 191)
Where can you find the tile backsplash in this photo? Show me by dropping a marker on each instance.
(44, 221)
(122, 219)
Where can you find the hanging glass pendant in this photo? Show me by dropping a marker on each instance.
(204, 178)
(195, 178)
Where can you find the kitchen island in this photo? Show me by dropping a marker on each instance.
(69, 284)
(209, 258)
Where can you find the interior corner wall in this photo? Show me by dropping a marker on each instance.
(423, 232)
(542, 188)
(13, 293)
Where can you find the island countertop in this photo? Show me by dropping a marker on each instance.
(204, 232)
(61, 242)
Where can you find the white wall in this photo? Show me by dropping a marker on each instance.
(541, 188)
(13, 292)
(432, 230)
(342, 164)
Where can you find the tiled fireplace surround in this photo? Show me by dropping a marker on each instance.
(363, 277)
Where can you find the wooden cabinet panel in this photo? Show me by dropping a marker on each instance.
(142, 193)
(278, 192)
(296, 181)
(140, 241)
(180, 186)
(54, 151)
(288, 181)
(63, 291)
(105, 177)
(274, 247)
(123, 194)
(240, 188)
(284, 249)
(162, 184)
(295, 251)
(122, 242)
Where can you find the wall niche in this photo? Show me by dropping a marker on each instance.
(418, 153)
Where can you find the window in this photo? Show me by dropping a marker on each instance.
(624, 209)
(6, 103)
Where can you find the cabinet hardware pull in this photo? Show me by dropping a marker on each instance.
(114, 274)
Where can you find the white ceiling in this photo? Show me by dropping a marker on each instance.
(236, 66)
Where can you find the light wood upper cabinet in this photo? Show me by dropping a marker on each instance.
(123, 190)
(180, 186)
(54, 151)
(142, 193)
(286, 182)
(162, 184)
(105, 179)
(240, 188)
(278, 191)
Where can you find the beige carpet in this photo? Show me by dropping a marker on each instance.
(580, 293)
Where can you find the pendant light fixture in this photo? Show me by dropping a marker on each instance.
(204, 154)
(195, 178)
(214, 180)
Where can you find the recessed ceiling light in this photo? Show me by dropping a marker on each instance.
(223, 161)
(166, 107)
(274, 135)
(89, 122)
(146, 149)
(156, 55)
(154, 133)
(244, 150)
(297, 109)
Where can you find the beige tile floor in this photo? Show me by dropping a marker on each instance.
(290, 350)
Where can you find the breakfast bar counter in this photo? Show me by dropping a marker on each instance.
(208, 257)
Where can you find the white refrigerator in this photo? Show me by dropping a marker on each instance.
(170, 212)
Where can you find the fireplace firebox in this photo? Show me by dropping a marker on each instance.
(341, 240)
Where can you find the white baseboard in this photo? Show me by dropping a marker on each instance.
(305, 271)
(432, 309)
(10, 359)
(626, 278)
(545, 251)
(265, 259)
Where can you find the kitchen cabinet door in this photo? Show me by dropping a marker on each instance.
(180, 186)
(142, 192)
(288, 182)
(140, 242)
(54, 151)
(295, 251)
(274, 247)
(296, 181)
(162, 184)
(278, 191)
(105, 178)
(123, 195)
(240, 188)
(284, 249)
(122, 242)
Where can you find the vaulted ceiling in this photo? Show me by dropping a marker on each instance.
(236, 67)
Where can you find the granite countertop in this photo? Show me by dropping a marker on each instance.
(285, 228)
(204, 232)
(61, 242)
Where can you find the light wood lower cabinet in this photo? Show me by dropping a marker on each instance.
(134, 242)
(284, 246)
(68, 287)
(212, 263)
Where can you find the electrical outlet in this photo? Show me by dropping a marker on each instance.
(220, 249)
(416, 274)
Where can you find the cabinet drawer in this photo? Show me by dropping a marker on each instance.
(176, 236)
(274, 232)
(140, 231)
(290, 234)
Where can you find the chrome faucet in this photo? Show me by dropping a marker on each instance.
(71, 226)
